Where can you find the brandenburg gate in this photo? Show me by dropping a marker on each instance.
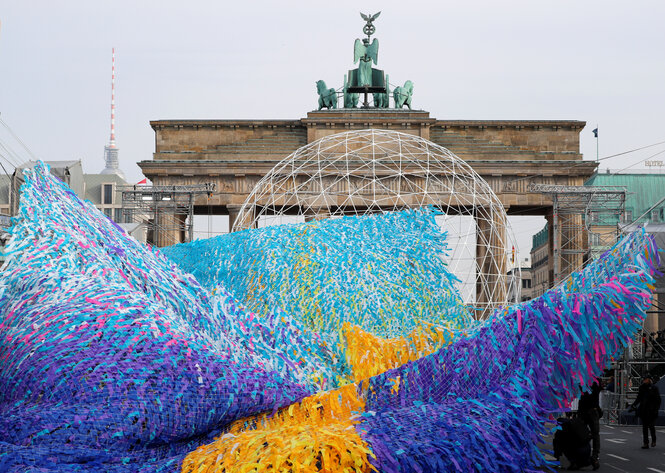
(511, 155)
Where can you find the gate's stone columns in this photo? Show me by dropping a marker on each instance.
(169, 228)
(234, 212)
(491, 257)
(233, 215)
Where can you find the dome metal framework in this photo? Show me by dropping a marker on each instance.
(370, 171)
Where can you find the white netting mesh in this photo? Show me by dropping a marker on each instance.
(370, 171)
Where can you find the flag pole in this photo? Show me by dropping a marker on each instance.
(597, 160)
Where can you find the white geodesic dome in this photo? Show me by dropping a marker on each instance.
(370, 171)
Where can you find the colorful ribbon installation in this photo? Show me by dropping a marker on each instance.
(353, 281)
(383, 273)
(114, 359)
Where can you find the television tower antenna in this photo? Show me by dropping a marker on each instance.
(112, 142)
(111, 151)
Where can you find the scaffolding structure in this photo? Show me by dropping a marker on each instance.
(167, 211)
(585, 223)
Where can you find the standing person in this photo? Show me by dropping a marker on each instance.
(589, 410)
(647, 405)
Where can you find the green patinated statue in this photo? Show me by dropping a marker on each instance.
(382, 99)
(365, 52)
(327, 97)
(350, 99)
(366, 79)
(402, 95)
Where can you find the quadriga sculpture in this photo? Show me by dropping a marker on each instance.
(402, 95)
(350, 100)
(327, 97)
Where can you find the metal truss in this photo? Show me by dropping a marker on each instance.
(167, 210)
(585, 223)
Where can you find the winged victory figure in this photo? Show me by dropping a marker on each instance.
(365, 52)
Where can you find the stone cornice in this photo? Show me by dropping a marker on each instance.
(525, 168)
(156, 124)
(574, 124)
(370, 115)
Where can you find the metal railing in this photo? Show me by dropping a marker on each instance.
(612, 404)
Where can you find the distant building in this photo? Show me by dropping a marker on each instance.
(542, 269)
(104, 190)
(520, 282)
(645, 190)
(5, 204)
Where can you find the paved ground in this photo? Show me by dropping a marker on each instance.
(620, 451)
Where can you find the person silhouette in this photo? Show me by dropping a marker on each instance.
(647, 405)
(589, 410)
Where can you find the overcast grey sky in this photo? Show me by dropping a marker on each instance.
(602, 62)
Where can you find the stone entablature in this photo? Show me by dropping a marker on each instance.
(472, 140)
(235, 180)
(510, 154)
